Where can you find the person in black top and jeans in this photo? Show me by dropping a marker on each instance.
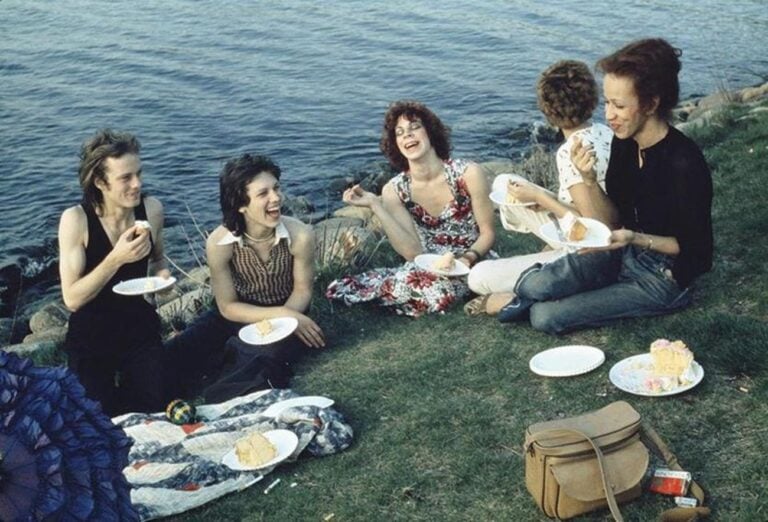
(662, 189)
(113, 341)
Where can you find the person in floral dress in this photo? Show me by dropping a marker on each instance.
(435, 205)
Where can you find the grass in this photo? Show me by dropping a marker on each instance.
(440, 404)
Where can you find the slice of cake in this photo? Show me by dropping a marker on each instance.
(445, 263)
(573, 227)
(671, 365)
(511, 199)
(264, 327)
(255, 450)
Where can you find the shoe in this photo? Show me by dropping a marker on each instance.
(477, 306)
(515, 310)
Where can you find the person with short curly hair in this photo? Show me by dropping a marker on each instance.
(661, 187)
(567, 95)
(437, 204)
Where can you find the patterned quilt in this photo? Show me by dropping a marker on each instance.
(176, 468)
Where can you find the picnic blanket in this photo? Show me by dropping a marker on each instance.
(176, 468)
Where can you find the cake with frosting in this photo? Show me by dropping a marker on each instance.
(264, 327)
(255, 450)
(671, 365)
(445, 263)
(573, 228)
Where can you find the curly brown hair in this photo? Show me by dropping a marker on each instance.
(653, 65)
(567, 93)
(94, 152)
(439, 134)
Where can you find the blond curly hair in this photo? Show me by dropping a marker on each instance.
(567, 93)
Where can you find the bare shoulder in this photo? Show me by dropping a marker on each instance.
(298, 230)
(218, 253)
(153, 206)
(73, 219)
(473, 171)
(216, 236)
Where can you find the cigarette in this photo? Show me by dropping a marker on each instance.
(271, 486)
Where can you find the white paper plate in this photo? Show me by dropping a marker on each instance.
(425, 262)
(310, 400)
(143, 285)
(282, 327)
(598, 235)
(500, 198)
(631, 373)
(565, 361)
(284, 440)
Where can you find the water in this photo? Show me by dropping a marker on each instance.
(200, 81)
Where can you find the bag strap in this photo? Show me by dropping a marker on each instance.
(609, 496)
(676, 514)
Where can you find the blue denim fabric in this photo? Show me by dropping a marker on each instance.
(578, 291)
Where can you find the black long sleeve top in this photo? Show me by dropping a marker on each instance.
(671, 195)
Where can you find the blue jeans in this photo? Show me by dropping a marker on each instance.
(579, 291)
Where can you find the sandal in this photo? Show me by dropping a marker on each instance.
(477, 305)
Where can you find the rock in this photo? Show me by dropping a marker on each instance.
(297, 206)
(339, 185)
(198, 277)
(49, 316)
(342, 241)
(751, 94)
(494, 168)
(54, 334)
(184, 309)
(362, 213)
(29, 349)
(375, 182)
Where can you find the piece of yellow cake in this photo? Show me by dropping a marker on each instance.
(255, 450)
(671, 365)
(573, 227)
(264, 327)
(445, 263)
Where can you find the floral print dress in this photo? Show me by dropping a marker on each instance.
(408, 289)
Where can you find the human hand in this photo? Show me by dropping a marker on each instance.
(309, 333)
(618, 239)
(132, 245)
(584, 160)
(358, 197)
(524, 191)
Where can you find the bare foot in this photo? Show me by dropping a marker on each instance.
(497, 301)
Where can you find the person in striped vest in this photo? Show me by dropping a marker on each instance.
(262, 269)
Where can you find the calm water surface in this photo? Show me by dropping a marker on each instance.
(200, 81)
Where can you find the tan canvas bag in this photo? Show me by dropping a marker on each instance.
(594, 460)
(584, 463)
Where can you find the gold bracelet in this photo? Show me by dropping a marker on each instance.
(650, 243)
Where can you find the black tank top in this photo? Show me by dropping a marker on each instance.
(112, 323)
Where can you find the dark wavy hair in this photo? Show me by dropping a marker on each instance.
(233, 187)
(439, 134)
(94, 152)
(652, 65)
(567, 93)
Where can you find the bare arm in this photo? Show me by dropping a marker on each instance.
(78, 289)
(477, 186)
(589, 198)
(394, 217)
(156, 217)
(230, 307)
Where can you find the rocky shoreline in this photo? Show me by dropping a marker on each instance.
(344, 235)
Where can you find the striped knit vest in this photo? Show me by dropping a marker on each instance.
(260, 283)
